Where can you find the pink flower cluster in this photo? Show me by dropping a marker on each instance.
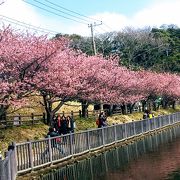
(30, 64)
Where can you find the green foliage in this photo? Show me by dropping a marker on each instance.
(155, 49)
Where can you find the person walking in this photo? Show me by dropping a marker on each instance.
(64, 125)
(70, 125)
(55, 142)
(102, 120)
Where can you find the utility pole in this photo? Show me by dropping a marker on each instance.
(94, 48)
(92, 35)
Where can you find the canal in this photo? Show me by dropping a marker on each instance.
(154, 157)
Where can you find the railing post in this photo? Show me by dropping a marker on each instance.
(30, 155)
(154, 123)
(2, 173)
(50, 148)
(125, 130)
(103, 140)
(32, 117)
(15, 159)
(172, 118)
(7, 156)
(169, 119)
(149, 123)
(71, 144)
(134, 128)
(88, 141)
(142, 129)
(160, 123)
(115, 133)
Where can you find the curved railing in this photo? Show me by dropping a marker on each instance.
(35, 154)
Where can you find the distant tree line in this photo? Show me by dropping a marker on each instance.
(149, 48)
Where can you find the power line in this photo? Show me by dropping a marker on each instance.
(104, 31)
(55, 13)
(29, 26)
(108, 27)
(60, 11)
(72, 11)
(1, 2)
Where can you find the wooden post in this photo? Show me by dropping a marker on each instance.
(88, 141)
(50, 148)
(30, 155)
(142, 129)
(15, 158)
(87, 113)
(71, 143)
(7, 155)
(32, 117)
(20, 123)
(2, 173)
(115, 133)
(103, 139)
(80, 113)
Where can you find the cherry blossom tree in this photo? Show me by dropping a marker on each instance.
(32, 64)
(22, 56)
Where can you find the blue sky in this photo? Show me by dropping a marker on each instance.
(90, 7)
(115, 14)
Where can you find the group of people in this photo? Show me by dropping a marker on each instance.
(63, 125)
(148, 114)
(102, 120)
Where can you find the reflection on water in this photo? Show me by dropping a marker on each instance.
(153, 158)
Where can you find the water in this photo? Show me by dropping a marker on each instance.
(152, 158)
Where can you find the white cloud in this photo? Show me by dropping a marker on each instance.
(163, 12)
(160, 12)
(17, 9)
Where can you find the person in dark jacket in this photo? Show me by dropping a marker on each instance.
(64, 125)
(55, 142)
(58, 124)
(70, 124)
(102, 120)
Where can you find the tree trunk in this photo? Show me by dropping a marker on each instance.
(131, 106)
(48, 104)
(48, 109)
(154, 106)
(111, 110)
(49, 118)
(124, 109)
(3, 112)
(143, 105)
(84, 105)
(165, 103)
(174, 104)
